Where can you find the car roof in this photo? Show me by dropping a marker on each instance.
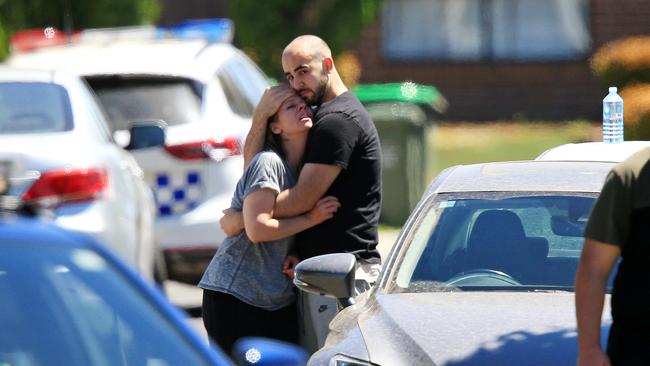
(15, 228)
(195, 59)
(594, 151)
(523, 176)
(35, 75)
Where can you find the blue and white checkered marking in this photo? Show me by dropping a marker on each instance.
(177, 193)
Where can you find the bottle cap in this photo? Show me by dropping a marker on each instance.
(613, 89)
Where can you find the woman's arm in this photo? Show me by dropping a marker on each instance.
(232, 222)
(260, 225)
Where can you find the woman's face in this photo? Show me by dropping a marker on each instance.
(294, 117)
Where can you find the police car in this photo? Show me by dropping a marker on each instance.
(58, 160)
(200, 88)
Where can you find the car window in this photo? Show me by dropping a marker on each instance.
(243, 85)
(127, 99)
(94, 316)
(98, 114)
(34, 107)
(495, 240)
(253, 80)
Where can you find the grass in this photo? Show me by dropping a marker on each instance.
(467, 143)
(454, 143)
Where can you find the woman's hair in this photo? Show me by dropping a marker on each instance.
(272, 140)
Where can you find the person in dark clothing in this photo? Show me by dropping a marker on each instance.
(342, 159)
(619, 226)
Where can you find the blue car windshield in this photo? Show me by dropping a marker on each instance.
(68, 306)
(495, 241)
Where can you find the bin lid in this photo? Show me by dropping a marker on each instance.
(408, 92)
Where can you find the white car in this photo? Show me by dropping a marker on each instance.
(204, 91)
(61, 161)
(594, 151)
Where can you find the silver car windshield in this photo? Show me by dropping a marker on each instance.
(34, 107)
(495, 241)
(127, 99)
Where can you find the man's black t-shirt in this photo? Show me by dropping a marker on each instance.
(344, 135)
(621, 216)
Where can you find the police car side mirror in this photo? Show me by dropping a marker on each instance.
(144, 134)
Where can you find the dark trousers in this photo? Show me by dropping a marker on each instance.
(628, 344)
(226, 319)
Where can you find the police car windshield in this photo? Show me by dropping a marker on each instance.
(126, 99)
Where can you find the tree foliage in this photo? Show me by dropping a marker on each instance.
(625, 63)
(264, 28)
(72, 14)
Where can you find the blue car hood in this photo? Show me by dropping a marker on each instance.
(472, 328)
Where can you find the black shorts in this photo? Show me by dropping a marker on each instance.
(226, 319)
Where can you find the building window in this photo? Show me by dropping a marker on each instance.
(479, 30)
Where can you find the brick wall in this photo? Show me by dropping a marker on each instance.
(175, 11)
(538, 90)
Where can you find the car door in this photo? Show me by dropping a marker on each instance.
(132, 202)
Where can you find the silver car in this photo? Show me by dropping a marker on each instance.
(481, 274)
(62, 162)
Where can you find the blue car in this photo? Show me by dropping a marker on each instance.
(66, 300)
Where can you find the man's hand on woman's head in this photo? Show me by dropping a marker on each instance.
(271, 101)
(268, 106)
(324, 209)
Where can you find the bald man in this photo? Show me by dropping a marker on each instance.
(342, 159)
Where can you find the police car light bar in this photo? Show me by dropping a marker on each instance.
(210, 30)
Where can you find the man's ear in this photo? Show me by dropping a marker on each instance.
(329, 64)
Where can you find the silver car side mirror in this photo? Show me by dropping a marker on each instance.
(329, 275)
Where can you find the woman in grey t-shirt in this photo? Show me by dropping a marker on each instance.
(246, 292)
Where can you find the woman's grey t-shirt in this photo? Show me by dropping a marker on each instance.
(253, 272)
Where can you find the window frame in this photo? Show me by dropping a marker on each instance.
(486, 50)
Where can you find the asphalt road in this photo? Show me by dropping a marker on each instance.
(189, 297)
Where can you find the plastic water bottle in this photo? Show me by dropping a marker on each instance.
(613, 117)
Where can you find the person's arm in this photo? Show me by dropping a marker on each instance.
(596, 263)
(261, 226)
(313, 182)
(232, 222)
(269, 104)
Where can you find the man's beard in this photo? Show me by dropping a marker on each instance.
(319, 93)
